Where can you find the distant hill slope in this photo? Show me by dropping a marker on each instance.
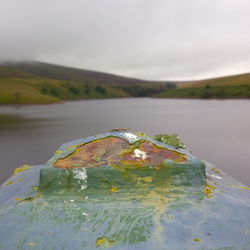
(37, 82)
(17, 87)
(59, 72)
(237, 86)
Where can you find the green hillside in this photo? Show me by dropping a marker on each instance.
(237, 86)
(37, 82)
(22, 88)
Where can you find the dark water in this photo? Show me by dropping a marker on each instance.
(217, 131)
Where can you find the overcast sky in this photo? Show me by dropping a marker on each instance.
(149, 39)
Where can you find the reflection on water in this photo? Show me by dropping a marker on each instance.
(15, 120)
(217, 131)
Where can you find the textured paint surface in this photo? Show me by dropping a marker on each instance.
(171, 207)
(115, 151)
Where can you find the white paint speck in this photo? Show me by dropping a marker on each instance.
(129, 136)
(140, 154)
(81, 176)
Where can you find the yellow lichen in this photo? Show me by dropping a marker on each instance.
(244, 232)
(20, 179)
(114, 189)
(26, 199)
(100, 241)
(29, 199)
(140, 134)
(245, 188)
(35, 188)
(58, 152)
(8, 183)
(196, 239)
(217, 171)
(170, 217)
(32, 244)
(208, 190)
(147, 179)
(21, 169)
(104, 242)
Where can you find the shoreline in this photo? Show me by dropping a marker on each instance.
(110, 98)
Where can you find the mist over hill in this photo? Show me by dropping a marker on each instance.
(59, 72)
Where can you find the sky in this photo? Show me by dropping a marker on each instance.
(147, 39)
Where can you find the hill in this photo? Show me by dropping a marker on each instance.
(237, 86)
(37, 82)
(22, 88)
(59, 72)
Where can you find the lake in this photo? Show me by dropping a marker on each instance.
(214, 130)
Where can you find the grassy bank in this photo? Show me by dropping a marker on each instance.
(17, 87)
(225, 87)
(39, 90)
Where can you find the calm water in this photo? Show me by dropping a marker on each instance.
(217, 131)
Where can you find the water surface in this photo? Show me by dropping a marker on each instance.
(214, 130)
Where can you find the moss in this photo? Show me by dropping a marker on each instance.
(172, 140)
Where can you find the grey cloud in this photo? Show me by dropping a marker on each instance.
(149, 39)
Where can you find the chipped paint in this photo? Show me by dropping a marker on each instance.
(81, 176)
(125, 206)
(118, 152)
(139, 154)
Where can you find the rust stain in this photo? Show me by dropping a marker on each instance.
(117, 152)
